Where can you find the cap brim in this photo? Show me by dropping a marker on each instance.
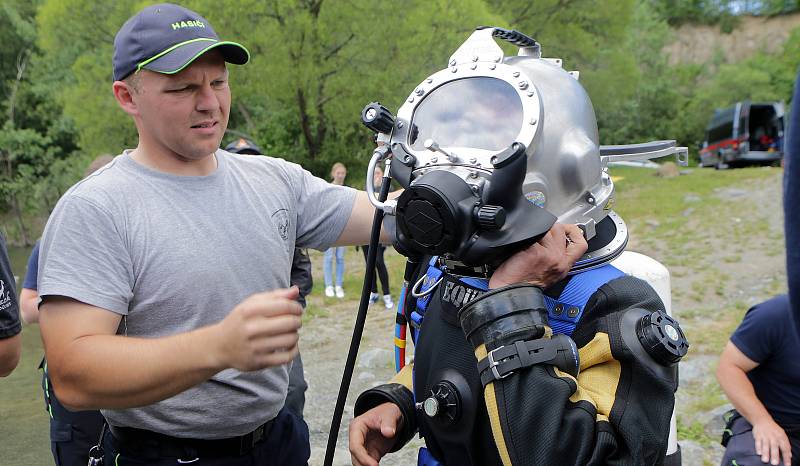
(183, 55)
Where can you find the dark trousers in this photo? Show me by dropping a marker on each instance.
(380, 266)
(72, 433)
(296, 397)
(286, 444)
(741, 447)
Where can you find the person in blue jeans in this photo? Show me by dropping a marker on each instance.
(338, 174)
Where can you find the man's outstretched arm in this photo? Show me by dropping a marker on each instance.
(359, 225)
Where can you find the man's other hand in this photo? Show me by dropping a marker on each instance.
(373, 433)
(261, 331)
(771, 443)
(545, 262)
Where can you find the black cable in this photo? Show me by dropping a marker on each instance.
(358, 329)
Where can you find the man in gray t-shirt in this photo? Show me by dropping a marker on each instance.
(164, 276)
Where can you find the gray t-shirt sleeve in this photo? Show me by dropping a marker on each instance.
(83, 257)
(323, 209)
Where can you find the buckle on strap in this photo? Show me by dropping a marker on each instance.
(505, 360)
(493, 364)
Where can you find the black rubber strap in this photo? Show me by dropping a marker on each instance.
(393, 393)
(509, 35)
(503, 361)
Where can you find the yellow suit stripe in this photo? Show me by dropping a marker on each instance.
(494, 414)
(405, 376)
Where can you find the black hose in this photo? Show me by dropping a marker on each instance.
(358, 329)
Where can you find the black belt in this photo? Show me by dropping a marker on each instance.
(146, 443)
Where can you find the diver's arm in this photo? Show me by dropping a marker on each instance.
(384, 419)
(372, 434)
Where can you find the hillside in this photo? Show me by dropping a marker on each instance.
(695, 43)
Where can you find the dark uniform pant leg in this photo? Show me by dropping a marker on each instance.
(296, 396)
(741, 448)
(287, 444)
(72, 433)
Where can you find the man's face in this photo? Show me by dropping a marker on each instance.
(185, 115)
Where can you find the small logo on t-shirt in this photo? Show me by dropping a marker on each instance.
(5, 296)
(281, 220)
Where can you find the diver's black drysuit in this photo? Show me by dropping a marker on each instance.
(616, 412)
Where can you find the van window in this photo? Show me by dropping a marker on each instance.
(720, 133)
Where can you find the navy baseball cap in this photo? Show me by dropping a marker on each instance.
(166, 38)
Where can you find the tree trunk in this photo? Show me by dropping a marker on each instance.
(15, 205)
(312, 144)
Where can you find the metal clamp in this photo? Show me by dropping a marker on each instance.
(417, 294)
(381, 153)
(493, 364)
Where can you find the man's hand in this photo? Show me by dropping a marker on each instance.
(771, 442)
(372, 434)
(261, 331)
(545, 262)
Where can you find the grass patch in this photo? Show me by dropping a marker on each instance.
(694, 432)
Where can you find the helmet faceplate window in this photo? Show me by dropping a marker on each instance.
(480, 113)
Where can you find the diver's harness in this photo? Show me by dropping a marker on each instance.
(555, 311)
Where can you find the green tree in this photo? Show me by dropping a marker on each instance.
(33, 135)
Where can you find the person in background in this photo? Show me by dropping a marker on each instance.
(338, 174)
(72, 433)
(301, 278)
(759, 371)
(10, 326)
(380, 264)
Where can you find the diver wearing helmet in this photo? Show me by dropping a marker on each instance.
(492, 153)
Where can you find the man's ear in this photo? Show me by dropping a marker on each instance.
(124, 95)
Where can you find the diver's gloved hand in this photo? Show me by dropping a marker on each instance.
(545, 262)
(509, 330)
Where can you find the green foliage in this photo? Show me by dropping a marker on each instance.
(35, 138)
(316, 63)
(726, 13)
